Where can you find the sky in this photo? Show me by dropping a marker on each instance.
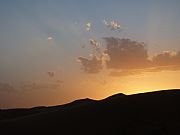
(56, 51)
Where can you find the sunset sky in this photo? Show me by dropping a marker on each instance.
(56, 51)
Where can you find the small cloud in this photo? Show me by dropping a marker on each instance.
(51, 73)
(88, 26)
(113, 25)
(95, 44)
(49, 38)
(105, 22)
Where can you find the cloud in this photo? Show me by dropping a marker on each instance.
(95, 63)
(95, 45)
(124, 57)
(105, 58)
(113, 25)
(163, 68)
(92, 65)
(88, 26)
(166, 58)
(97, 60)
(131, 58)
(6, 87)
(130, 72)
(51, 73)
(49, 38)
(126, 54)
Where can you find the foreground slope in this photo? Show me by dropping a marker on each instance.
(153, 113)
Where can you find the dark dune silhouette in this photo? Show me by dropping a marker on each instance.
(152, 113)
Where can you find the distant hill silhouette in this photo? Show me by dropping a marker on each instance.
(152, 113)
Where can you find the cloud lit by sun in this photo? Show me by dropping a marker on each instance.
(49, 38)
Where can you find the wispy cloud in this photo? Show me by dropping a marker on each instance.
(41, 85)
(6, 87)
(166, 58)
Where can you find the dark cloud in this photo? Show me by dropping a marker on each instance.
(6, 87)
(92, 65)
(124, 57)
(166, 59)
(131, 57)
(126, 54)
(51, 73)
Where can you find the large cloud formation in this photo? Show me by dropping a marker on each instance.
(131, 57)
(128, 57)
(126, 54)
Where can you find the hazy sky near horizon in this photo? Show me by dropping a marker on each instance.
(40, 42)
